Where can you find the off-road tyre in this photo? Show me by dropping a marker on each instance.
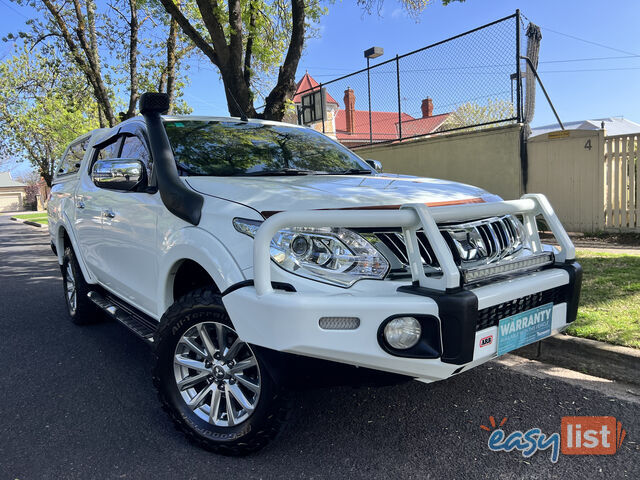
(271, 411)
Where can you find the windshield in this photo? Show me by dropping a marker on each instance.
(224, 148)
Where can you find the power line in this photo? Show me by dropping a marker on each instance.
(11, 8)
(591, 70)
(591, 42)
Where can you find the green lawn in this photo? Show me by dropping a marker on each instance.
(610, 300)
(38, 217)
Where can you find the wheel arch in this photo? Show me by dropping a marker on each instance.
(65, 238)
(194, 253)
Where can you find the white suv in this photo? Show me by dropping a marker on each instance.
(248, 253)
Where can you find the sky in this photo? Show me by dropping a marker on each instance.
(589, 55)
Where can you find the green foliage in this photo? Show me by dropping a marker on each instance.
(44, 105)
(473, 113)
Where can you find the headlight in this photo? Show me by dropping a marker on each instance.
(334, 255)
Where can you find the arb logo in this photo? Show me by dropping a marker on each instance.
(591, 435)
(486, 340)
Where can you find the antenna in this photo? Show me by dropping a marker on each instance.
(243, 116)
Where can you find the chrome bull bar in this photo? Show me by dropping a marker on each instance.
(412, 217)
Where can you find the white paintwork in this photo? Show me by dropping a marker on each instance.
(289, 322)
(334, 191)
(135, 254)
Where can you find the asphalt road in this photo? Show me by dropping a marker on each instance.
(77, 402)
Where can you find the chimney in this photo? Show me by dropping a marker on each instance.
(427, 107)
(349, 108)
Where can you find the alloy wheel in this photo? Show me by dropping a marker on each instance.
(70, 287)
(217, 374)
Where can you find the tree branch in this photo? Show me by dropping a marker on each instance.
(190, 31)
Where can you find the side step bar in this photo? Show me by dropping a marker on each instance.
(139, 323)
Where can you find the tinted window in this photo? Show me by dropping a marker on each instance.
(109, 151)
(239, 148)
(134, 148)
(71, 161)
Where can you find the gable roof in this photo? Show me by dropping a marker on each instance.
(612, 125)
(307, 83)
(7, 181)
(424, 125)
(384, 125)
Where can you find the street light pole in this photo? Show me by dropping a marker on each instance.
(373, 52)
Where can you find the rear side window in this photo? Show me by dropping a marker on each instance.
(73, 157)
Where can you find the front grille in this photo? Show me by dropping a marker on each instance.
(490, 316)
(499, 236)
(395, 242)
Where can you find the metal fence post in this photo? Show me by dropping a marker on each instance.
(369, 95)
(518, 73)
(399, 105)
(322, 107)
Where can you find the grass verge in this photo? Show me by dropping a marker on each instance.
(610, 300)
(38, 217)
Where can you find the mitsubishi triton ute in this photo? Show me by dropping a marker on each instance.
(242, 250)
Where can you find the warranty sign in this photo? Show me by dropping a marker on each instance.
(524, 328)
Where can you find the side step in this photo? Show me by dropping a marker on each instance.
(139, 323)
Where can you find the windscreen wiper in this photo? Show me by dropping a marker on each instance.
(280, 172)
(355, 171)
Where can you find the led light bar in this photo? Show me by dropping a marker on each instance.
(483, 273)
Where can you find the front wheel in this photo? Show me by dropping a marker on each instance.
(216, 387)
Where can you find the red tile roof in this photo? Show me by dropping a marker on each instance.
(307, 83)
(383, 125)
(424, 125)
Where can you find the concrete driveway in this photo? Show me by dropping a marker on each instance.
(77, 402)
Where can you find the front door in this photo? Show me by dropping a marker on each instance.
(129, 246)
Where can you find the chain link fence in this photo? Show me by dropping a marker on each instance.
(469, 81)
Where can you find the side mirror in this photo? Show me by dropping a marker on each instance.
(119, 174)
(375, 164)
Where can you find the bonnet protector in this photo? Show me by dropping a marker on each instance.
(179, 200)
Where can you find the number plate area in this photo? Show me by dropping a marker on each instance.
(524, 328)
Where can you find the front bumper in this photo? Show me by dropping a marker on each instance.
(289, 321)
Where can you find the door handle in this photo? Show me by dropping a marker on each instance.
(80, 204)
(108, 213)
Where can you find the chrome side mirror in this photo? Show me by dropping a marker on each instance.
(118, 174)
(375, 164)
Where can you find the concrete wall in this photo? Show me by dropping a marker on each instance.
(489, 158)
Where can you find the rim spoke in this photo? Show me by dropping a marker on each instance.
(254, 387)
(191, 363)
(239, 396)
(196, 401)
(231, 416)
(215, 406)
(233, 350)
(206, 339)
(220, 334)
(193, 347)
(243, 365)
(192, 380)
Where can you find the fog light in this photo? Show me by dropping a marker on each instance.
(402, 332)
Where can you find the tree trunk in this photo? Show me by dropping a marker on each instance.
(285, 88)
(133, 59)
(170, 71)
